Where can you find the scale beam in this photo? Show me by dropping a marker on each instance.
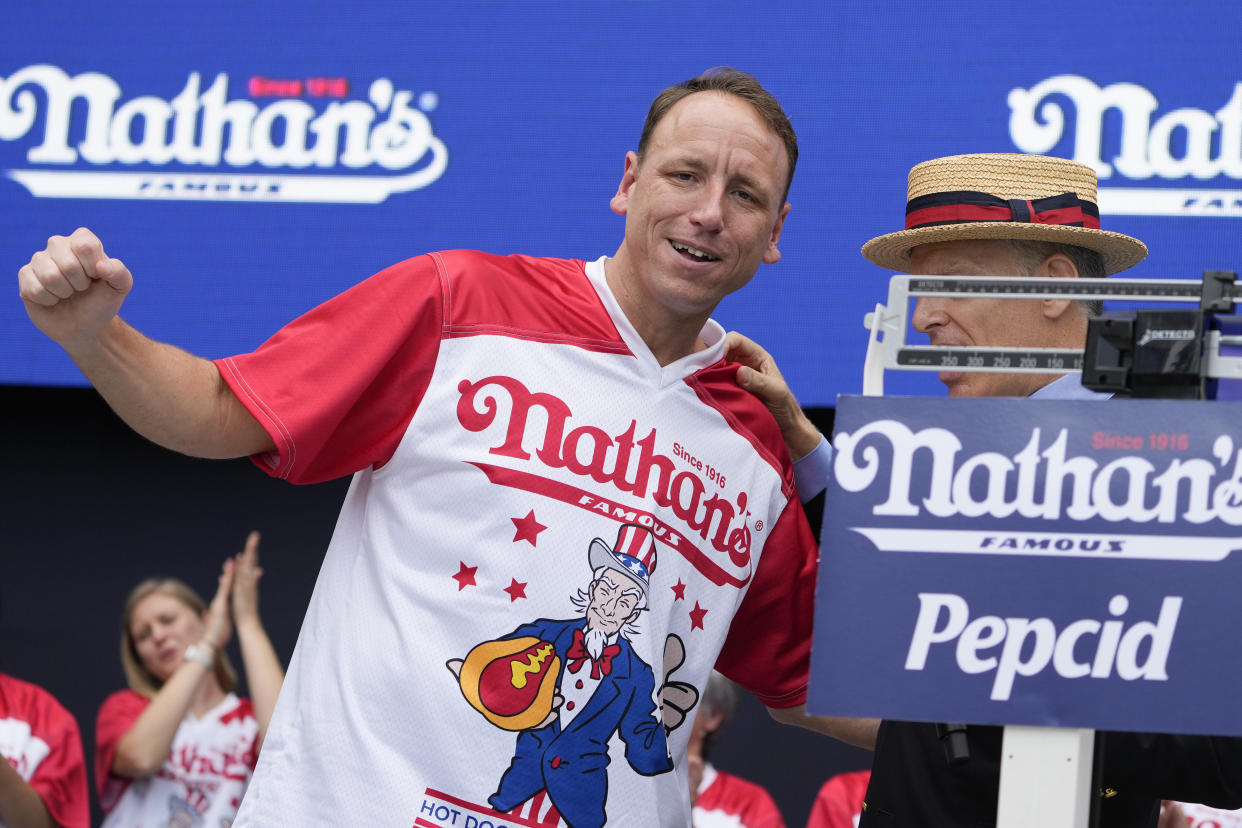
(1216, 292)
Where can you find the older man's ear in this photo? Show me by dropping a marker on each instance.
(1056, 266)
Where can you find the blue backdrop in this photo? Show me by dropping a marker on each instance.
(503, 126)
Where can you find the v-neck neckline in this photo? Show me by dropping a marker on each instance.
(712, 336)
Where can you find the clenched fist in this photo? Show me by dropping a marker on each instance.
(72, 288)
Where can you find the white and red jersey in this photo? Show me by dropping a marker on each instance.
(501, 414)
(200, 783)
(728, 801)
(40, 738)
(1202, 816)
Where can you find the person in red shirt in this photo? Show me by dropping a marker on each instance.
(43, 781)
(1191, 815)
(839, 803)
(719, 798)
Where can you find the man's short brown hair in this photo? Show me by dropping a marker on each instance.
(731, 82)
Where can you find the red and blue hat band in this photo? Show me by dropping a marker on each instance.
(966, 206)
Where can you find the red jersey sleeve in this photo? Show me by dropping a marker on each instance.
(116, 716)
(337, 387)
(60, 779)
(768, 649)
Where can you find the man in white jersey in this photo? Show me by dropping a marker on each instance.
(495, 411)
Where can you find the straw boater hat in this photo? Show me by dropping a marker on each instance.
(1003, 196)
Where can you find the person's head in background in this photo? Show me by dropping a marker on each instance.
(1003, 215)
(163, 616)
(716, 707)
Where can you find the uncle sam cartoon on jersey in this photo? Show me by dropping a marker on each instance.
(566, 686)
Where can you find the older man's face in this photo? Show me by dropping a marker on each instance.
(979, 322)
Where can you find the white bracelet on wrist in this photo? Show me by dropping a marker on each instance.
(201, 654)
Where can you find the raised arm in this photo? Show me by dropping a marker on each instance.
(73, 292)
(264, 674)
(146, 744)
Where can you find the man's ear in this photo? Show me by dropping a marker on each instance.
(772, 254)
(1056, 266)
(621, 201)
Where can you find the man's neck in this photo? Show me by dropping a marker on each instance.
(669, 336)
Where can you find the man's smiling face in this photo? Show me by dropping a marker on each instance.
(703, 208)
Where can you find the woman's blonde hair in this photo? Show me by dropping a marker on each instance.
(140, 679)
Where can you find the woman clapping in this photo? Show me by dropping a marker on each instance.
(178, 746)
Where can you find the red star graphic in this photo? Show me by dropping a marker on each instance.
(696, 616)
(679, 591)
(465, 576)
(516, 590)
(528, 528)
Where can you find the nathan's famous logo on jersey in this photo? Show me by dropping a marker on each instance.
(289, 140)
(1042, 482)
(541, 429)
(1182, 144)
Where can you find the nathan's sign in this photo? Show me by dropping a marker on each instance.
(206, 143)
(1162, 159)
(1033, 562)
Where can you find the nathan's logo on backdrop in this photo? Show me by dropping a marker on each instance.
(923, 478)
(289, 140)
(1186, 145)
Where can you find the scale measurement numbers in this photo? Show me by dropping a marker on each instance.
(890, 325)
(931, 358)
(1166, 290)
